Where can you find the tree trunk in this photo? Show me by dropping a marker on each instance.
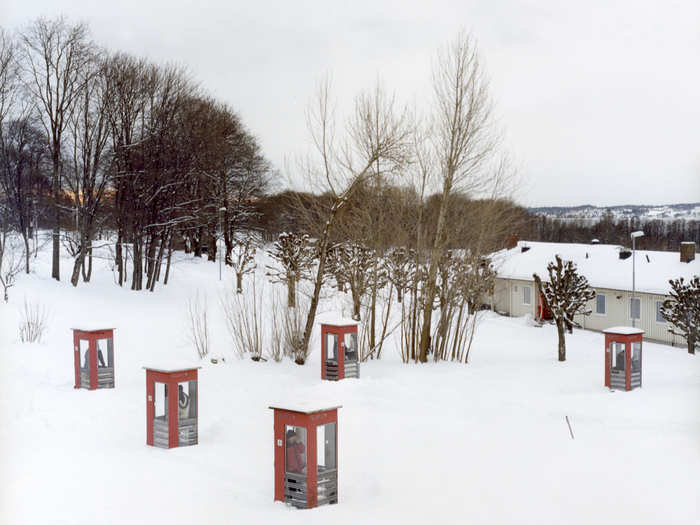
(56, 252)
(118, 258)
(87, 273)
(239, 282)
(78, 264)
(561, 331)
(356, 305)
(291, 292)
(26, 253)
(691, 345)
(167, 266)
(319, 277)
(430, 282)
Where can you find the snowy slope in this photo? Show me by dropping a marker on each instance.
(480, 443)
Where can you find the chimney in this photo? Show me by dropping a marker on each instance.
(512, 242)
(687, 252)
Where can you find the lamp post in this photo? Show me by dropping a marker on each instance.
(634, 236)
(221, 235)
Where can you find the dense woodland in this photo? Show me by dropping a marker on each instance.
(109, 150)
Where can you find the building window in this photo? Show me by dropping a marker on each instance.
(635, 308)
(527, 298)
(659, 317)
(600, 304)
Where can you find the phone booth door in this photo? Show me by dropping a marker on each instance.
(617, 366)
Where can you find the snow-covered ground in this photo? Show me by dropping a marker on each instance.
(485, 442)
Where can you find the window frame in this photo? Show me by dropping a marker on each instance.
(657, 313)
(529, 289)
(604, 313)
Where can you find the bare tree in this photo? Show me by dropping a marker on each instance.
(33, 323)
(87, 175)
(375, 133)
(54, 55)
(294, 255)
(198, 324)
(10, 264)
(243, 257)
(22, 158)
(565, 296)
(244, 316)
(463, 143)
(682, 310)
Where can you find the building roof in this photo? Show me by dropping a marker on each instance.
(599, 263)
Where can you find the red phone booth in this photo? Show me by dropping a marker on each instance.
(171, 407)
(623, 357)
(306, 455)
(93, 358)
(339, 350)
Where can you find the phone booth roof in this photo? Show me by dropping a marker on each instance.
(338, 321)
(93, 328)
(623, 330)
(304, 407)
(171, 369)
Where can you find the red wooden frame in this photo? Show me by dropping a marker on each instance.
(627, 340)
(91, 336)
(170, 378)
(309, 421)
(340, 330)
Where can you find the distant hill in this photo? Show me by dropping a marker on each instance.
(690, 211)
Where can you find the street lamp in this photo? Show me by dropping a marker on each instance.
(634, 236)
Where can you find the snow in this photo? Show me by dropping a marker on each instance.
(623, 330)
(180, 367)
(334, 320)
(94, 327)
(304, 407)
(599, 263)
(483, 443)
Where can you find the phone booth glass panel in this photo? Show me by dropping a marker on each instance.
(171, 407)
(351, 346)
(332, 345)
(295, 450)
(306, 456)
(93, 358)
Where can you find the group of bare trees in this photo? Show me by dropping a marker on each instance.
(91, 139)
(409, 204)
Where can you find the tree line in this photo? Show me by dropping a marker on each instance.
(92, 139)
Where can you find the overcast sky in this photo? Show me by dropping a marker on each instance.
(599, 100)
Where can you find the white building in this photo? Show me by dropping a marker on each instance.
(608, 269)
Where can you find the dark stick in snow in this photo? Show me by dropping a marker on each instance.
(569, 424)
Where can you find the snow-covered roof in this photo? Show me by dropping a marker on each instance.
(337, 320)
(599, 263)
(623, 330)
(304, 407)
(176, 367)
(92, 327)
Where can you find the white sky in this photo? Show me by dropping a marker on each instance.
(599, 100)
